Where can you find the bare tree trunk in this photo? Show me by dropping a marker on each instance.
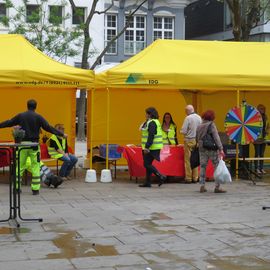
(82, 100)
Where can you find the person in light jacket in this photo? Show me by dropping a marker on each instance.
(205, 154)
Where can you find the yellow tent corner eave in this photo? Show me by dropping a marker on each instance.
(22, 65)
(193, 65)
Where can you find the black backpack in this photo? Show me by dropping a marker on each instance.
(208, 140)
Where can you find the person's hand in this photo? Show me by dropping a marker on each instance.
(146, 151)
(221, 154)
(65, 135)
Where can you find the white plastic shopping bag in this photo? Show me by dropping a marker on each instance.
(222, 174)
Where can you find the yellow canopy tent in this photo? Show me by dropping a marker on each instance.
(27, 73)
(196, 70)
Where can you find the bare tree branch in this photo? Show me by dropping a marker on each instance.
(129, 18)
(107, 9)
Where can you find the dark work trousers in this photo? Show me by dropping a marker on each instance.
(259, 152)
(147, 162)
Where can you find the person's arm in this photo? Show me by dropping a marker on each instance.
(53, 144)
(66, 147)
(152, 130)
(45, 125)
(175, 132)
(184, 128)
(10, 123)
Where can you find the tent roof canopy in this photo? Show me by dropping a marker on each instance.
(22, 65)
(194, 65)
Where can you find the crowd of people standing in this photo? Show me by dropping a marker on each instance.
(194, 129)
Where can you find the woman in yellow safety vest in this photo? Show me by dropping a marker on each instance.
(151, 145)
(169, 130)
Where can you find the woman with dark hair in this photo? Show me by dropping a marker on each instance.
(259, 144)
(151, 145)
(208, 126)
(169, 130)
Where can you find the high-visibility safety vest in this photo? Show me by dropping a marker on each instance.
(157, 142)
(169, 137)
(52, 152)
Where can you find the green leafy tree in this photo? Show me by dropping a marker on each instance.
(246, 15)
(47, 34)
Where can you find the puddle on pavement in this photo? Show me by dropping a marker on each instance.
(7, 230)
(160, 216)
(238, 263)
(73, 248)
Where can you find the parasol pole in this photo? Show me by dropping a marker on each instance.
(237, 145)
(91, 128)
(108, 126)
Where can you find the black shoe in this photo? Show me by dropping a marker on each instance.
(35, 192)
(162, 179)
(145, 185)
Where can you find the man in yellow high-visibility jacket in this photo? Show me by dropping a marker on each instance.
(58, 149)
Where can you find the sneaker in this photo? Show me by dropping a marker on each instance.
(35, 192)
(203, 189)
(188, 181)
(63, 178)
(263, 171)
(219, 190)
(145, 185)
(258, 171)
(69, 178)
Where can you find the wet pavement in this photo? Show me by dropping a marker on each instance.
(119, 226)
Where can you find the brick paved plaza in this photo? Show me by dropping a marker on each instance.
(119, 226)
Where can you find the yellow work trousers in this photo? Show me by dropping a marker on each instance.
(190, 174)
(34, 155)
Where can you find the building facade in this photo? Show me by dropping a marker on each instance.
(211, 20)
(156, 19)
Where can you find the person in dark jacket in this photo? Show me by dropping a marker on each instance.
(31, 123)
(260, 143)
(151, 145)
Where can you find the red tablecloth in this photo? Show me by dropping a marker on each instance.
(171, 161)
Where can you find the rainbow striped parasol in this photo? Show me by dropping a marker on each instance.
(243, 124)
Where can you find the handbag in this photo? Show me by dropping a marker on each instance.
(194, 158)
(208, 140)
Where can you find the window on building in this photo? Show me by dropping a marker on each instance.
(227, 17)
(111, 32)
(56, 14)
(135, 35)
(78, 15)
(163, 28)
(3, 10)
(32, 13)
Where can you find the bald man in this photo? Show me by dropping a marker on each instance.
(191, 122)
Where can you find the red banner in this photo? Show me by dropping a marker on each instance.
(171, 161)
